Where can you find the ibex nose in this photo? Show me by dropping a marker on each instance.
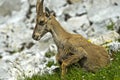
(41, 22)
(35, 37)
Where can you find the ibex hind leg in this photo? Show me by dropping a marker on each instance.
(77, 56)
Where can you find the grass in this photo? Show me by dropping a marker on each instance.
(111, 72)
(111, 25)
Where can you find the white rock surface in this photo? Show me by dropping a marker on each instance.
(117, 26)
(7, 6)
(13, 11)
(77, 22)
(103, 14)
(108, 37)
(20, 54)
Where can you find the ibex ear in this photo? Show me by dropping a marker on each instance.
(39, 7)
(47, 11)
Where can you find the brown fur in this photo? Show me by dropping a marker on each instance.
(72, 48)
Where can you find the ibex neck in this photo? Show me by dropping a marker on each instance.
(59, 34)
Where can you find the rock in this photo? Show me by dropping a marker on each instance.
(97, 29)
(11, 34)
(104, 14)
(96, 5)
(8, 6)
(101, 10)
(77, 22)
(108, 37)
(4, 75)
(115, 2)
(76, 9)
(13, 12)
(56, 8)
(14, 66)
(117, 27)
(114, 46)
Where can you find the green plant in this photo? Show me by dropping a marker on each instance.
(49, 54)
(111, 25)
(50, 63)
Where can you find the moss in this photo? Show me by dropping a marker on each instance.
(12, 51)
(50, 63)
(49, 54)
(0, 56)
(111, 26)
(118, 40)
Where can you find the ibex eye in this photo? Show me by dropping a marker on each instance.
(41, 22)
(47, 15)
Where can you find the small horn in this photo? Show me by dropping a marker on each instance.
(39, 7)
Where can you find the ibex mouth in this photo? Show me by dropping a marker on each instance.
(36, 37)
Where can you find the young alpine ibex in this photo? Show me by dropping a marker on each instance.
(72, 48)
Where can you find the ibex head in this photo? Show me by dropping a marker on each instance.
(41, 21)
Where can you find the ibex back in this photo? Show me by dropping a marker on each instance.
(72, 48)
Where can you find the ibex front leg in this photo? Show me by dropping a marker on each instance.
(77, 56)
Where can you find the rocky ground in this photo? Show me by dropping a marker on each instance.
(20, 55)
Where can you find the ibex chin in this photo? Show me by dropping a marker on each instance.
(72, 48)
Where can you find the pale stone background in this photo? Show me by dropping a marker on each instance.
(20, 54)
